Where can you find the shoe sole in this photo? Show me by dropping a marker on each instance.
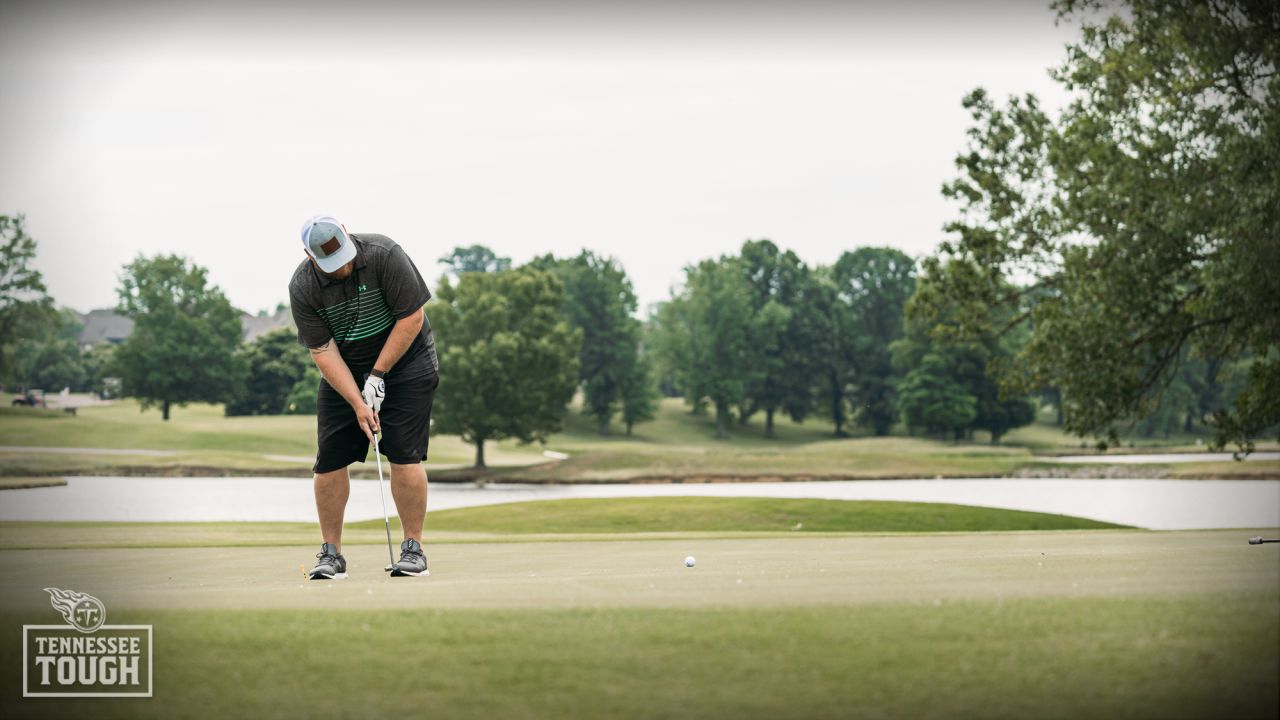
(397, 572)
(322, 576)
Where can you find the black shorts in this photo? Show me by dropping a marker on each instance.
(405, 417)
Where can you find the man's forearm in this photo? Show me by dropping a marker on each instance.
(402, 334)
(335, 372)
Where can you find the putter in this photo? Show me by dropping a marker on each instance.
(1259, 541)
(383, 496)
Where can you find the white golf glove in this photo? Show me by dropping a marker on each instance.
(375, 389)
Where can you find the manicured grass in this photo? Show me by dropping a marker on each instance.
(677, 445)
(1034, 624)
(204, 438)
(705, 514)
(1208, 655)
(565, 519)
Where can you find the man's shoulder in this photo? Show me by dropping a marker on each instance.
(380, 244)
(303, 280)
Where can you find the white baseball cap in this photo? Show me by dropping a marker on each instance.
(327, 243)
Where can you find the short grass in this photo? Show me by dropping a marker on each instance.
(707, 514)
(201, 435)
(999, 625)
(563, 519)
(1184, 657)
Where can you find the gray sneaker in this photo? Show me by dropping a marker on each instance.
(329, 564)
(412, 560)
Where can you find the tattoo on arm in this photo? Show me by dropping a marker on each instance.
(323, 347)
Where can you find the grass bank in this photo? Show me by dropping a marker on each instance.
(628, 518)
(703, 514)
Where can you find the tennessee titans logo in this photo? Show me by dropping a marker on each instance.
(85, 613)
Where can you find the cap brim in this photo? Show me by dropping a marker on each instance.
(345, 254)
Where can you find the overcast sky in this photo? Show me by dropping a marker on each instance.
(657, 133)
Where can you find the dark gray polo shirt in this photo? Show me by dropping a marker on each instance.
(359, 312)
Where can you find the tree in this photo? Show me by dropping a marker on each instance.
(780, 364)
(276, 363)
(704, 332)
(639, 393)
(52, 359)
(827, 323)
(875, 284)
(474, 258)
(930, 398)
(599, 302)
(1144, 216)
(511, 358)
(301, 399)
(25, 306)
(973, 366)
(184, 337)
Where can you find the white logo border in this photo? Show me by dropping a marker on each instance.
(151, 673)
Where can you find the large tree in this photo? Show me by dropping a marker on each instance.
(703, 330)
(827, 325)
(1139, 222)
(780, 362)
(874, 284)
(930, 398)
(639, 392)
(26, 310)
(599, 301)
(51, 357)
(509, 359)
(184, 338)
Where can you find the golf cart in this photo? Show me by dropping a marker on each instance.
(31, 398)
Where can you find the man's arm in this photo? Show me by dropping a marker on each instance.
(402, 334)
(335, 372)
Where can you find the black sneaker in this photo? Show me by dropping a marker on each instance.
(329, 564)
(413, 561)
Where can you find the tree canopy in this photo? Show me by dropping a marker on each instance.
(275, 363)
(1139, 223)
(26, 310)
(474, 258)
(705, 333)
(874, 284)
(184, 339)
(508, 357)
(599, 302)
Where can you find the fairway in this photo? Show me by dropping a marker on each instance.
(1009, 624)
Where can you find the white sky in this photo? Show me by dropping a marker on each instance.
(658, 133)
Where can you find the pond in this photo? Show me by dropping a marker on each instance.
(1155, 504)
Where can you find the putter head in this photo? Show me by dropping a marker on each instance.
(1255, 540)
(388, 568)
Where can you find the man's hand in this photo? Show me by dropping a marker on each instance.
(368, 420)
(375, 389)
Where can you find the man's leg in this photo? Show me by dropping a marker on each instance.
(332, 490)
(409, 488)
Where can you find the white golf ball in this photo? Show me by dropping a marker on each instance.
(689, 561)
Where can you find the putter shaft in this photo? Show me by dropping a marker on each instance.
(386, 519)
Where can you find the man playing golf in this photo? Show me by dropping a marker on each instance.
(357, 302)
